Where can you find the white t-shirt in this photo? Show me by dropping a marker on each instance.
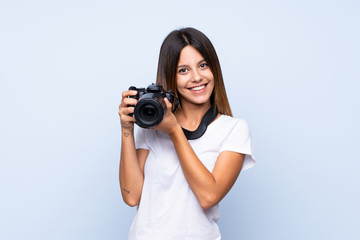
(168, 208)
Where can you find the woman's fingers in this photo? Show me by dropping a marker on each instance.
(126, 108)
(128, 93)
(168, 104)
(127, 100)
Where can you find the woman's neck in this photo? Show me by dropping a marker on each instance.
(189, 116)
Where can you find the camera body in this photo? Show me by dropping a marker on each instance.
(151, 107)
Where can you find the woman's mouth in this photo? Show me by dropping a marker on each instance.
(198, 88)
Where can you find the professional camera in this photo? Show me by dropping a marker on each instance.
(151, 107)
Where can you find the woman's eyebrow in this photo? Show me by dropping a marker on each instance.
(180, 66)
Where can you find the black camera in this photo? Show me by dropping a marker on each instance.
(151, 107)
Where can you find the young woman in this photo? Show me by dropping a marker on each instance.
(176, 180)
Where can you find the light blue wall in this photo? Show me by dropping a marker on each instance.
(291, 70)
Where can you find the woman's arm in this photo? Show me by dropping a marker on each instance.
(132, 161)
(208, 187)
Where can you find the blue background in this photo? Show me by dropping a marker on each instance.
(291, 69)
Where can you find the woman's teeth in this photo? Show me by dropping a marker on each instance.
(197, 88)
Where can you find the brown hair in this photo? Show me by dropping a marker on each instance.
(169, 59)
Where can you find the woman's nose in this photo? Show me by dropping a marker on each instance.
(196, 76)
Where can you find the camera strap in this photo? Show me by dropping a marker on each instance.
(209, 116)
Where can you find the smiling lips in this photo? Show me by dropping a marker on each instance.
(198, 88)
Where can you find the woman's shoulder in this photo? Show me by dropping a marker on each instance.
(232, 121)
(226, 124)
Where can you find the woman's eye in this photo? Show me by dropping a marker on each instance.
(182, 70)
(203, 65)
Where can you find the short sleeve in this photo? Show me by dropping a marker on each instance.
(140, 139)
(239, 140)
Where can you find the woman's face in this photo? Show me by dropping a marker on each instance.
(194, 79)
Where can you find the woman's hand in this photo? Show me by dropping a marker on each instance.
(169, 123)
(132, 160)
(127, 122)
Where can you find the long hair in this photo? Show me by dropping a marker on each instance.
(169, 58)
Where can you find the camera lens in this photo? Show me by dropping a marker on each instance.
(148, 111)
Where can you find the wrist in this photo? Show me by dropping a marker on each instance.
(176, 131)
(127, 131)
